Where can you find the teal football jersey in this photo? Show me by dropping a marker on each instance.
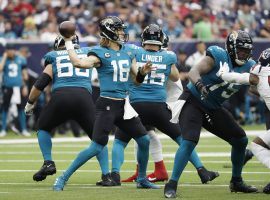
(219, 90)
(153, 89)
(12, 73)
(64, 74)
(113, 74)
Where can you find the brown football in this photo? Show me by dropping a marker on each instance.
(67, 29)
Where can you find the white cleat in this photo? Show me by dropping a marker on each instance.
(3, 133)
(26, 133)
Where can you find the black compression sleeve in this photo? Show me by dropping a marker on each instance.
(140, 77)
(42, 81)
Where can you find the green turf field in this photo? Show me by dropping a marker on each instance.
(18, 162)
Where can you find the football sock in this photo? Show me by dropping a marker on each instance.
(22, 119)
(4, 120)
(118, 154)
(238, 155)
(181, 158)
(155, 147)
(103, 160)
(45, 144)
(194, 158)
(86, 154)
(143, 155)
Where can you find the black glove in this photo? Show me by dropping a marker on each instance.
(204, 90)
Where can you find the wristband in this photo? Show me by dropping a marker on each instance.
(30, 102)
(69, 45)
(199, 85)
(140, 77)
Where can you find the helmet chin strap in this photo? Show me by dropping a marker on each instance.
(239, 62)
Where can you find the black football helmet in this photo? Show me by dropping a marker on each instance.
(165, 40)
(152, 34)
(59, 43)
(239, 45)
(108, 29)
(264, 59)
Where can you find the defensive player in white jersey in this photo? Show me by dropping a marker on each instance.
(259, 76)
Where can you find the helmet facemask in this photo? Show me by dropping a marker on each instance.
(242, 55)
(239, 46)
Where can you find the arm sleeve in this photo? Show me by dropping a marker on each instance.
(233, 77)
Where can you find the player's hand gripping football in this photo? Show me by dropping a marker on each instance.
(29, 108)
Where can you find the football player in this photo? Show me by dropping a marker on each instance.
(114, 62)
(204, 95)
(14, 85)
(70, 99)
(149, 100)
(259, 77)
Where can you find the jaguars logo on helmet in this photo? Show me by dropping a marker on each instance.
(109, 27)
(239, 45)
(152, 34)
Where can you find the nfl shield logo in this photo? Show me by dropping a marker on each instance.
(118, 54)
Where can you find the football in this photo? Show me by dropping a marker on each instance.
(67, 29)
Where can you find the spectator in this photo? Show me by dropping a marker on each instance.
(198, 55)
(188, 30)
(50, 33)
(203, 29)
(133, 28)
(8, 33)
(30, 30)
(246, 18)
(110, 9)
(265, 31)
(173, 29)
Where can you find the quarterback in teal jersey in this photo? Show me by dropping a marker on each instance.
(149, 98)
(71, 99)
(114, 62)
(15, 77)
(204, 96)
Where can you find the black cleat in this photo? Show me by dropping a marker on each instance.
(105, 181)
(170, 189)
(115, 176)
(206, 175)
(48, 168)
(241, 186)
(248, 156)
(266, 189)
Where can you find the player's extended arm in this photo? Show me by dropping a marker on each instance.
(233, 77)
(174, 75)
(203, 67)
(88, 62)
(44, 79)
(3, 61)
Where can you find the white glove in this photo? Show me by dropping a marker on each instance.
(29, 108)
(223, 68)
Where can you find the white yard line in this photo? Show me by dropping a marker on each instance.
(57, 145)
(126, 161)
(122, 171)
(83, 139)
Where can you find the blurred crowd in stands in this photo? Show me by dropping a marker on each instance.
(180, 19)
